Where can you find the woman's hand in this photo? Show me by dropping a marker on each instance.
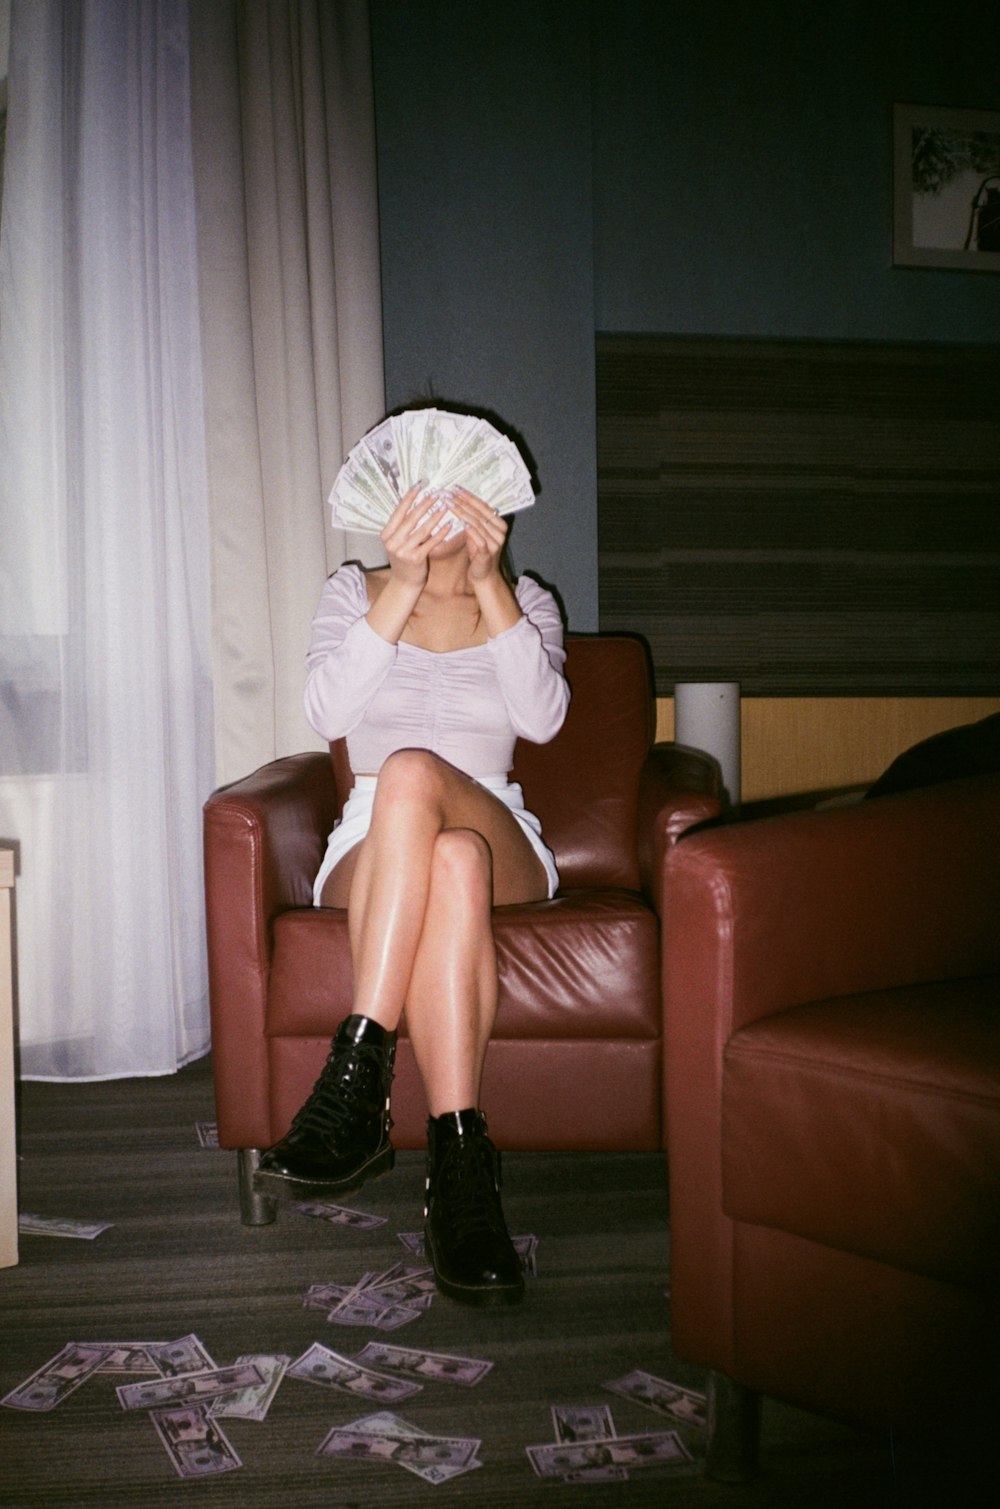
(485, 535)
(410, 535)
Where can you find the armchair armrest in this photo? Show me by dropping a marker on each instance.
(264, 841)
(678, 788)
(811, 905)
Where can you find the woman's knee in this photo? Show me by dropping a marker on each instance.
(409, 775)
(462, 868)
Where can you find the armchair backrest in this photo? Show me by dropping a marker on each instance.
(584, 785)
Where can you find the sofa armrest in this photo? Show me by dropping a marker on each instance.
(678, 788)
(264, 840)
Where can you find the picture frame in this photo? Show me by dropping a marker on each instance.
(946, 188)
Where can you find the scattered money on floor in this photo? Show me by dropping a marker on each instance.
(29, 1225)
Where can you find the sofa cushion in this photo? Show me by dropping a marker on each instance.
(872, 1124)
(585, 965)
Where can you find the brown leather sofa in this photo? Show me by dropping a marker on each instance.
(832, 1006)
(576, 1060)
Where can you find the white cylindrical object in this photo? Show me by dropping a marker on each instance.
(707, 717)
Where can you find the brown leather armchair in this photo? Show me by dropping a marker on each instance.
(576, 1059)
(832, 1008)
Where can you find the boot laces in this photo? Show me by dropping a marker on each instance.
(468, 1183)
(347, 1088)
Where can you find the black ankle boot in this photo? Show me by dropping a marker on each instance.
(467, 1238)
(340, 1137)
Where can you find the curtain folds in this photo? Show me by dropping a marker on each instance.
(291, 335)
(190, 340)
(106, 734)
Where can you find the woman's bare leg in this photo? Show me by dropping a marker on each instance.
(420, 908)
(420, 890)
(452, 999)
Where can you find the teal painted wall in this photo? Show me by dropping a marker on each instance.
(553, 168)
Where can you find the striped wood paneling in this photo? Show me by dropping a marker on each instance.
(804, 518)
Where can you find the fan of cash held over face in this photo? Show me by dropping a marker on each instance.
(441, 451)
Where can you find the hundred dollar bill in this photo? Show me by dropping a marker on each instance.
(383, 1300)
(197, 1447)
(340, 1215)
(412, 1362)
(253, 1403)
(323, 1296)
(126, 1356)
(367, 1310)
(586, 1422)
(29, 1225)
(347, 1305)
(685, 1405)
(175, 1358)
(655, 1449)
(57, 1378)
(433, 1458)
(437, 449)
(385, 1423)
(190, 1388)
(319, 1365)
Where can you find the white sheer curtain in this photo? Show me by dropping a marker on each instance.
(189, 340)
(106, 735)
(284, 128)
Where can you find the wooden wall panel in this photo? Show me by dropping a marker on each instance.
(792, 745)
(808, 519)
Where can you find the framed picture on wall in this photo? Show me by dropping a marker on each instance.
(946, 188)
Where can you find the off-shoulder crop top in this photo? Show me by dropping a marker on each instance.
(468, 706)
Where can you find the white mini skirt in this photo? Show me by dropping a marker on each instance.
(357, 815)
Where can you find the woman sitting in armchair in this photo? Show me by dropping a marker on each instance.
(432, 667)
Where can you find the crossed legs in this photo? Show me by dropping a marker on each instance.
(419, 889)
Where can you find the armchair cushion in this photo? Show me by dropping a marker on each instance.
(582, 965)
(872, 1124)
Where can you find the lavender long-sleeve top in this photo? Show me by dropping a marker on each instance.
(468, 706)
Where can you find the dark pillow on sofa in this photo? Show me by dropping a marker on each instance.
(970, 749)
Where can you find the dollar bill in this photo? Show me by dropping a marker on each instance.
(586, 1422)
(438, 449)
(126, 1356)
(324, 1296)
(386, 1423)
(56, 1379)
(655, 1449)
(30, 1225)
(411, 1362)
(175, 1358)
(368, 1310)
(195, 1444)
(384, 1301)
(435, 1459)
(254, 1401)
(321, 1365)
(190, 1388)
(685, 1405)
(340, 1215)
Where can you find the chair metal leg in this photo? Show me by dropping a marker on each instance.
(733, 1430)
(256, 1209)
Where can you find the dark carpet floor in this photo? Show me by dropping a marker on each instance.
(177, 1261)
